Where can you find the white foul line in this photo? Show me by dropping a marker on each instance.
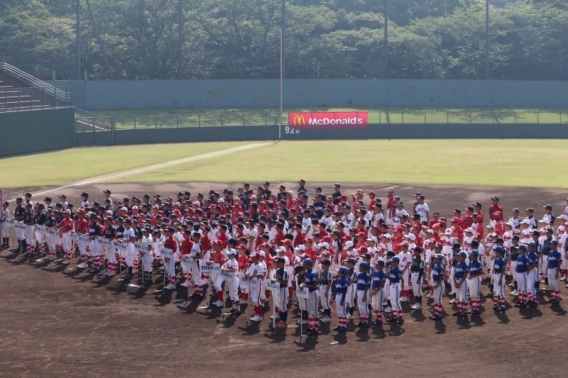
(136, 171)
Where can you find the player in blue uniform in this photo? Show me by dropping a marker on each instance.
(416, 275)
(363, 285)
(498, 279)
(532, 274)
(341, 285)
(521, 268)
(311, 283)
(378, 291)
(460, 284)
(474, 281)
(553, 271)
(395, 276)
(438, 277)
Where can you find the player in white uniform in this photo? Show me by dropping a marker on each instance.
(229, 274)
(254, 275)
(405, 259)
(147, 258)
(4, 229)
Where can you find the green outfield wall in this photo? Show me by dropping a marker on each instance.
(32, 131)
(255, 133)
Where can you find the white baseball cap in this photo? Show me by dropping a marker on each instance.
(349, 244)
(411, 237)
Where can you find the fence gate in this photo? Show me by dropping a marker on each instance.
(94, 131)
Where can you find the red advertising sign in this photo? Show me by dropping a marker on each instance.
(328, 120)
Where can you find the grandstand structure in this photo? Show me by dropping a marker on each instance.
(21, 91)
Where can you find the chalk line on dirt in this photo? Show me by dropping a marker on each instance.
(139, 170)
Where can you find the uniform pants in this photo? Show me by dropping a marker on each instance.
(281, 302)
(461, 296)
(95, 254)
(255, 289)
(553, 282)
(29, 235)
(438, 295)
(452, 283)
(416, 278)
(350, 297)
(20, 234)
(406, 282)
(394, 291)
(474, 285)
(110, 254)
(531, 287)
(341, 311)
(313, 303)
(377, 303)
(363, 306)
(325, 297)
(498, 290)
(522, 286)
(67, 242)
(169, 267)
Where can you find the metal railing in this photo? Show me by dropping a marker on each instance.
(64, 96)
(16, 99)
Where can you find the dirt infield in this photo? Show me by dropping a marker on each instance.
(57, 323)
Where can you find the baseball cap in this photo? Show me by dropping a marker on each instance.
(475, 252)
(495, 198)
(342, 270)
(499, 250)
(523, 247)
(439, 256)
(554, 241)
(456, 245)
(348, 244)
(395, 259)
(463, 254)
(411, 237)
(548, 206)
(364, 265)
(351, 261)
(307, 262)
(380, 262)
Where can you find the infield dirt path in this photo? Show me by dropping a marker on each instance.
(57, 323)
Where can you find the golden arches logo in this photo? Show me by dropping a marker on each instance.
(299, 120)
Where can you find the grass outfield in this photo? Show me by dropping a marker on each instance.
(160, 118)
(515, 163)
(63, 167)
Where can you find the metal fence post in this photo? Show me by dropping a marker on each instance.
(243, 119)
(425, 116)
(447, 117)
(402, 113)
(470, 118)
(177, 120)
(221, 119)
(538, 117)
(93, 124)
(134, 123)
(560, 114)
(199, 120)
(113, 129)
(156, 121)
(265, 119)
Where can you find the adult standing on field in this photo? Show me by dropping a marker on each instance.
(495, 207)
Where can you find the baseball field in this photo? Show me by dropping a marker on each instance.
(59, 322)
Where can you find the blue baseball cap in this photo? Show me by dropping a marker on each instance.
(364, 265)
(439, 256)
(463, 254)
(343, 270)
(532, 244)
(395, 259)
(499, 250)
(523, 247)
(554, 241)
(380, 262)
(307, 262)
(475, 252)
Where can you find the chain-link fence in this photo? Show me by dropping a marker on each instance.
(170, 119)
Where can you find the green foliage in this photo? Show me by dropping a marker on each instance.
(139, 39)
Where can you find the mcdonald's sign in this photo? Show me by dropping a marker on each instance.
(328, 120)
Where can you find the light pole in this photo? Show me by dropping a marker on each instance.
(282, 25)
(487, 39)
(78, 41)
(386, 39)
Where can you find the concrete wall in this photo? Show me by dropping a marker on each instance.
(250, 133)
(36, 130)
(263, 93)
